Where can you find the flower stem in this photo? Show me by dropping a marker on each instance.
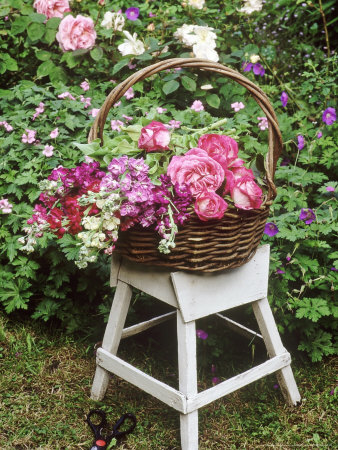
(208, 128)
(325, 28)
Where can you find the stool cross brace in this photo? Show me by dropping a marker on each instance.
(193, 297)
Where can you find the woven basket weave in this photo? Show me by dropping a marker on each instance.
(201, 246)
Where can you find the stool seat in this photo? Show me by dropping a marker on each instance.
(193, 296)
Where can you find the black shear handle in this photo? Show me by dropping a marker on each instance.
(116, 433)
(96, 428)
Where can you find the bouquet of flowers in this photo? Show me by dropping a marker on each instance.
(160, 187)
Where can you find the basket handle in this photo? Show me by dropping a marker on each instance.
(274, 135)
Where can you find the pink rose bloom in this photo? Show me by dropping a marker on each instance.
(210, 206)
(221, 148)
(51, 8)
(76, 33)
(246, 194)
(154, 137)
(200, 173)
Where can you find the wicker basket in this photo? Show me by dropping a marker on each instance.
(201, 246)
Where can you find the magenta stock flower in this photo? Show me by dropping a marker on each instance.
(307, 215)
(271, 229)
(329, 116)
(284, 99)
(201, 334)
(132, 13)
(301, 142)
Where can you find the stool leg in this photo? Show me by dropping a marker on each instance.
(274, 346)
(186, 337)
(112, 336)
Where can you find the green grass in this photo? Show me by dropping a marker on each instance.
(45, 380)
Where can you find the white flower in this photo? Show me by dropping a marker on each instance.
(131, 45)
(198, 4)
(205, 35)
(113, 20)
(205, 51)
(251, 5)
(207, 86)
(254, 59)
(186, 35)
(91, 223)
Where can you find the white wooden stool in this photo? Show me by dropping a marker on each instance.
(193, 297)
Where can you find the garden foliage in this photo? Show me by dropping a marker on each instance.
(52, 86)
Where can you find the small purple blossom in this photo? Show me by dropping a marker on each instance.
(329, 116)
(116, 125)
(270, 229)
(263, 123)
(132, 13)
(276, 386)
(247, 66)
(151, 14)
(202, 334)
(284, 99)
(129, 94)
(39, 110)
(85, 85)
(280, 271)
(301, 142)
(319, 134)
(334, 269)
(330, 188)
(288, 258)
(307, 215)
(258, 69)
(215, 380)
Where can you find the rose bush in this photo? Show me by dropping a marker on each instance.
(76, 33)
(52, 8)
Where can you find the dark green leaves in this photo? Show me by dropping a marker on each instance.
(170, 86)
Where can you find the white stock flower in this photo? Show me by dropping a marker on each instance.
(198, 4)
(91, 223)
(131, 45)
(113, 20)
(251, 5)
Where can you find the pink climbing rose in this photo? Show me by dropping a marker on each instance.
(154, 137)
(210, 206)
(76, 32)
(52, 8)
(246, 194)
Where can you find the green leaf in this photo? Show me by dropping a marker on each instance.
(213, 100)
(35, 31)
(49, 36)
(170, 86)
(96, 53)
(53, 23)
(9, 62)
(118, 66)
(134, 131)
(58, 74)
(43, 55)
(313, 309)
(19, 25)
(37, 18)
(189, 83)
(144, 57)
(45, 68)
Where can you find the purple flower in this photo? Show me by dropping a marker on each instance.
(301, 142)
(307, 215)
(329, 116)
(284, 98)
(330, 188)
(258, 69)
(201, 334)
(281, 272)
(285, 162)
(247, 66)
(276, 386)
(271, 229)
(319, 134)
(215, 380)
(132, 13)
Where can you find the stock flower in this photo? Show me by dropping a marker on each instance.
(284, 99)
(85, 85)
(307, 215)
(55, 133)
(48, 150)
(270, 229)
(132, 13)
(131, 45)
(154, 137)
(113, 20)
(301, 142)
(246, 194)
(198, 4)
(329, 116)
(263, 123)
(209, 206)
(197, 106)
(201, 334)
(76, 33)
(5, 206)
(51, 8)
(237, 106)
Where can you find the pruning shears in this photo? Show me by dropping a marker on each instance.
(102, 442)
